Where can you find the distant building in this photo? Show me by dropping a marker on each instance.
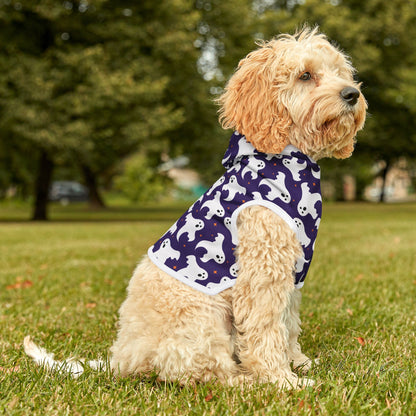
(187, 181)
(398, 185)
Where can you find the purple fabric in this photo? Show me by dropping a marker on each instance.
(199, 248)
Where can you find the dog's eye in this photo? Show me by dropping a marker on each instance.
(306, 76)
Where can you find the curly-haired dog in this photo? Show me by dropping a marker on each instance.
(218, 295)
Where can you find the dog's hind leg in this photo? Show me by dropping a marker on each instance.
(199, 348)
(266, 253)
(300, 360)
(173, 329)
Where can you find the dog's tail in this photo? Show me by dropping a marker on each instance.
(71, 365)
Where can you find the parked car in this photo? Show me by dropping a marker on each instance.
(68, 191)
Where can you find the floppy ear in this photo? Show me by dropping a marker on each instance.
(250, 103)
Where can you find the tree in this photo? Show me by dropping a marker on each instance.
(140, 181)
(85, 83)
(224, 36)
(95, 82)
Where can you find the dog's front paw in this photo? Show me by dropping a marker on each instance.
(307, 382)
(297, 383)
(303, 364)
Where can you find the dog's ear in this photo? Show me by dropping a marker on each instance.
(251, 104)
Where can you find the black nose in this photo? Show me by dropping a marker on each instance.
(350, 95)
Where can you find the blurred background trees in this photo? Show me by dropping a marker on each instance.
(93, 90)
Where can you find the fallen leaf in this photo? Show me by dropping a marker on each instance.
(310, 314)
(361, 341)
(20, 285)
(209, 396)
(10, 287)
(359, 277)
(91, 305)
(349, 312)
(301, 404)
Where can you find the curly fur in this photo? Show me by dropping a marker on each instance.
(266, 101)
(249, 332)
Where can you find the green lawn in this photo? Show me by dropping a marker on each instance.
(62, 282)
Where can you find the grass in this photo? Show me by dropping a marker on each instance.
(63, 281)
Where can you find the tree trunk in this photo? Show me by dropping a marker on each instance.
(384, 177)
(95, 199)
(42, 185)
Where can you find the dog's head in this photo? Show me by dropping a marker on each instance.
(295, 90)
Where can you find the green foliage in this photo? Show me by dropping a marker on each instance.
(223, 36)
(77, 92)
(140, 182)
(16, 167)
(92, 83)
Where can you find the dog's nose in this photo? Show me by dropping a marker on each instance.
(350, 95)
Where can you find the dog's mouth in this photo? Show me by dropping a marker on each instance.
(349, 117)
(334, 133)
(341, 124)
(338, 134)
(335, 127)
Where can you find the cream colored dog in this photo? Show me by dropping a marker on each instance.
(294, 90)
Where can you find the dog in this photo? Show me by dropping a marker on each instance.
(217, 297)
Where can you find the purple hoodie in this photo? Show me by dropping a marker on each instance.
(199, 248)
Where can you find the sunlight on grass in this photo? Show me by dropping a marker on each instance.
(63, 282)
